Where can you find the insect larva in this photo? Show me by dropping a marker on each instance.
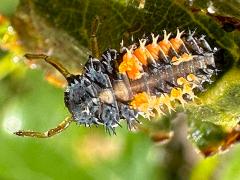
(147, 79)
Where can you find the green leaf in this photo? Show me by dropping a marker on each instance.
(63, 29)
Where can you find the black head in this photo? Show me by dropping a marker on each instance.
(80, 100)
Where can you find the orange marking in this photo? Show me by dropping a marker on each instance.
(176, 43)
(165, 46)
(141, 101)
(184, 57)
(174, 59)
(141, 55)
(154, 50)
(146, 104)
(131, 66)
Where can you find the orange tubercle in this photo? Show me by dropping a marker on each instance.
(186, 57)
(165, 44)
(141, 101)
(176, 43)
(174, 59)
(154, 50)
(141, 55)
(131, 66)
(146, 103)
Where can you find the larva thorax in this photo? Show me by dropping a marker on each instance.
(148, 77)
(91, 97)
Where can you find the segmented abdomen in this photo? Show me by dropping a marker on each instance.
(149, 78)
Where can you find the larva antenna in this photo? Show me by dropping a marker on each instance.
(51, 60)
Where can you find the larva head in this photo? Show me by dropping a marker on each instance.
(82, 94)
(89, 96)
(80, 102)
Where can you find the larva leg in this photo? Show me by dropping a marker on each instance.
(94, 42)
(51, 61)
(51, 132)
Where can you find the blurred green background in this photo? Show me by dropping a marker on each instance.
(28, 101)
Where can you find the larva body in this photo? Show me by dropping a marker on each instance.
(148, 78)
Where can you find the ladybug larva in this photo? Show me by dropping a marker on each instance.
(147, 78)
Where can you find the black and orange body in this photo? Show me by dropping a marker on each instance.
(147, 78)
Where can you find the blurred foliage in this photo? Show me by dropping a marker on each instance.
(8, 7)
(10, 49)
(62, 28)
